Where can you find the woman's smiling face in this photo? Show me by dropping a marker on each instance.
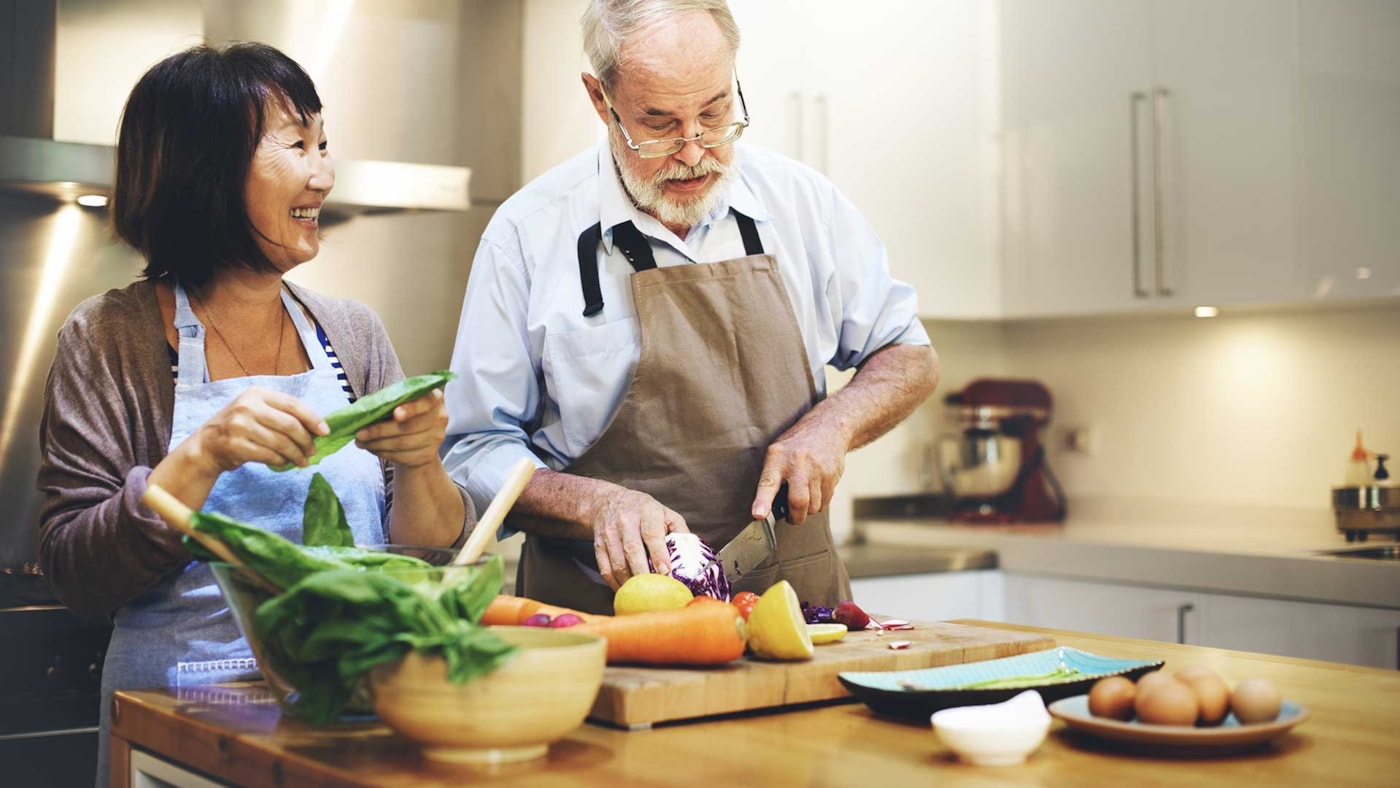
(288, 180)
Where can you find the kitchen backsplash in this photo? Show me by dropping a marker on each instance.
(1253, 409)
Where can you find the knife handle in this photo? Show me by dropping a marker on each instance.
(780, 503)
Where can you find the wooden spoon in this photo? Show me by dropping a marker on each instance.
(177, 514)
(495, 513)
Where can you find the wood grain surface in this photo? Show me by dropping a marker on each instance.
(635, 696)
(234, 734)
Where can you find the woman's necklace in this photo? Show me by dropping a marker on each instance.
(281, 332)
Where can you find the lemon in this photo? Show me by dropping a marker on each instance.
(645, 593)
(826, 633)
(777, 629)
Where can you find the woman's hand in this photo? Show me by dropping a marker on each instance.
(259, 425)
(412, 435)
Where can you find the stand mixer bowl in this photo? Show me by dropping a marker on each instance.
(978, 463)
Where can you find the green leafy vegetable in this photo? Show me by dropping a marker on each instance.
(280, 563)
(323, 518)
(352, 418)
(333, 627)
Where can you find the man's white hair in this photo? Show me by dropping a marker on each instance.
(607, 24)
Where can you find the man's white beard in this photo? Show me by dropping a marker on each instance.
(650, 196)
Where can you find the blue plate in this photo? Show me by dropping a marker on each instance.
(916, 694)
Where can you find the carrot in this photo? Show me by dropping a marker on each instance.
(513, 610)
(708, 634)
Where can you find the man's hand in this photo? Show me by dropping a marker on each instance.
(629, 536)
(811, 458)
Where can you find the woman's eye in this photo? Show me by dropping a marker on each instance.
(299, 145)
(323, 145)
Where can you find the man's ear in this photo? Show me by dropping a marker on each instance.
(594, 89)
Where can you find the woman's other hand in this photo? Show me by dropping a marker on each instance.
(413, 433)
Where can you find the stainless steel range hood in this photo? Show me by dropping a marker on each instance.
(67, 170)
(33, 161)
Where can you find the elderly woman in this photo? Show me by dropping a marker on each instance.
(213, 368)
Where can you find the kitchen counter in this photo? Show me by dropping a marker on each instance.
(862, 560)
(1275, 554)
(234, 733)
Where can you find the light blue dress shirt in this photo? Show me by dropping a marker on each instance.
(534, 373)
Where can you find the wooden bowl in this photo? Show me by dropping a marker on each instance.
(511, 714)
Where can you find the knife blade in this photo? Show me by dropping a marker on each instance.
(755, 544)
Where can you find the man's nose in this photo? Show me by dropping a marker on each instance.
(691, 153)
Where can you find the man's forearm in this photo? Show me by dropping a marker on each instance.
(884, 391)
(559, 505)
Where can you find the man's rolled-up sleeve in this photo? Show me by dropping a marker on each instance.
(874, 310)
(496, 395)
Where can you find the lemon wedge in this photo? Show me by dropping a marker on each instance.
(826, 633)
(777, 629)
(649, 592)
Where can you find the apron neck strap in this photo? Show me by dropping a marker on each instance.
(637, 249)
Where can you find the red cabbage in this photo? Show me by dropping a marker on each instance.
(693, 562)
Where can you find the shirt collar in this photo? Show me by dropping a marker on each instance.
(615, 207)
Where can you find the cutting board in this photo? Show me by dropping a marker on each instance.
(637, 697)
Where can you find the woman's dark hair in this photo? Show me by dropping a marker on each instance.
(188, 135)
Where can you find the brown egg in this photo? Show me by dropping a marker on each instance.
(1112, 698)
(1167, 703)
(1151, 679)
(1256, 700)
(1213, 694)
(1193, 672)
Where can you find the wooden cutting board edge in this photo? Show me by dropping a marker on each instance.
(637, 697)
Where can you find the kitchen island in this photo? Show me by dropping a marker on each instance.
(235, 734)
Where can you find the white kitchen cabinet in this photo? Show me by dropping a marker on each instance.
(1148, 154)
(894, 102)
(1350, 160)
(1336, 633)
(1101, 608)
(931, 597)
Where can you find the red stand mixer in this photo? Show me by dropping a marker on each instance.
(994, 471)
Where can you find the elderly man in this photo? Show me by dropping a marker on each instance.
(650, 320)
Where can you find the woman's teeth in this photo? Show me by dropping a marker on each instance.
(306, 213)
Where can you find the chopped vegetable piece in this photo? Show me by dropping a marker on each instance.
(817, 614)
(565, 620)
(898, 644)
(850, 614)
(538, 620)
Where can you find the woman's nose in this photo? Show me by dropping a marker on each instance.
(322, 174)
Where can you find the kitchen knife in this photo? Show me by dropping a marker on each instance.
(753, 545)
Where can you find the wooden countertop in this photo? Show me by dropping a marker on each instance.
(1353, 738)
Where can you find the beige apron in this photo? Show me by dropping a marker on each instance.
(723, 372)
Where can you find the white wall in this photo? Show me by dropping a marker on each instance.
(1254, 409)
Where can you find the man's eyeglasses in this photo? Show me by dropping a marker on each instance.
(708, 138)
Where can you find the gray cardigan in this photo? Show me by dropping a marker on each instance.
(108, 409)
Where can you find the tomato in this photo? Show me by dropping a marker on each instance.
(700, 600)
(744, 600)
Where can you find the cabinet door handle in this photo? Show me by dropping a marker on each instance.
(1159, 103)
(1135, 98)
(1181, 611)
(798, 133)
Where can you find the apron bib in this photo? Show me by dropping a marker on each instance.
(723, 372)
(181, 633)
